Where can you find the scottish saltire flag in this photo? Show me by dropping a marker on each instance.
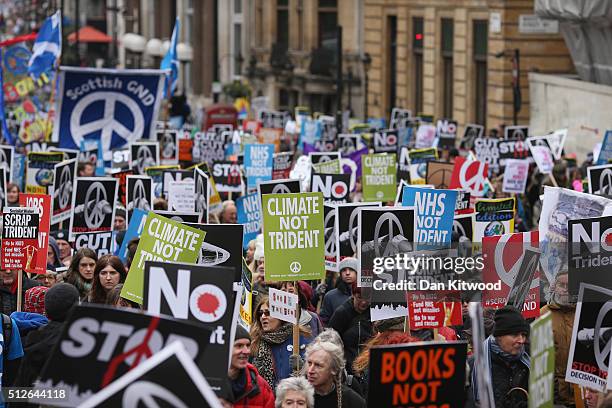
(47, 47)
(171, 62)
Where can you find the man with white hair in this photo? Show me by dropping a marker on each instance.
(324, 367)
(294, 392)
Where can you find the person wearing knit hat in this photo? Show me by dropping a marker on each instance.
(35, 300)
(508, 360)
(334, 298)
(248, 387)
(59, 301)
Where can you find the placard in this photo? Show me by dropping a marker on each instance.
(19, 238)
(378, 177)
(283, 305)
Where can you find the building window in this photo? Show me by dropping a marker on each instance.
(447, 67)
(417, 53)
(480, 47)
(392, 62)
(238, 49)
(328, 22)
(238, 6)
(259, 22)
(282, 24)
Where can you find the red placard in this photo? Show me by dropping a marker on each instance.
(43, 203)
(428, 311)
(503, 258)
(470, 176)
(19, 238)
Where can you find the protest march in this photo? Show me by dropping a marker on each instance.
(254, 256)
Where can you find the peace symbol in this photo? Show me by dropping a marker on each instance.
(330, 243)
(474, 184)
(353, 229)
(353, 167)
(281, 189)
(149, 394)
(507, 243)
(200, 195)
(295, 267)
(65, 187)
(94, 217)
(140, 196)
(458, 229)
(605, 182)
(392, 220)
(144, 159)
(168, 143)
(602, 355)
(107, 124)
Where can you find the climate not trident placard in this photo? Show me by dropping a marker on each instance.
(294, 243)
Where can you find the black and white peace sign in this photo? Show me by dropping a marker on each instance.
(330, 243)
(601, 355)
(139, 197)
(149, 394)
(392, 221)
(168, 151)
(605, 182)
(94, 215)
(281, 189)
(458, 229)
(64, 194)
(201, 194)
(353, 229)
(144, 159)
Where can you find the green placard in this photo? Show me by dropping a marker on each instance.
(162, 239)
(541, 375)
(294, 242)
(378, 177)
(328, 167)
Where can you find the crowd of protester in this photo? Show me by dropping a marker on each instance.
(336, 333)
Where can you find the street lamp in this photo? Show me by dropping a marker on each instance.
(367, 61)
(184, 53)
(135, 44)
(154, 49)
(516, 80)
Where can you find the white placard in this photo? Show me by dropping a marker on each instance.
(181, 196)
(283, 305)
(515, 176)
(532, 24)
(543, 158)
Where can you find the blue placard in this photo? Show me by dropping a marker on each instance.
(258, 163)
(605, 155)
(135, 227)
(434, 211)
(120, 106)
(249, 215)
(310, 132)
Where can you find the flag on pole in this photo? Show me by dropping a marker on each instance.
(170, 62)
(47, 47)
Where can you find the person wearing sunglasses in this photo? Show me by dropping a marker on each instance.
(272, 345)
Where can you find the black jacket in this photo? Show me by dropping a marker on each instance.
(37, 349)
(350, 399)
(354, 328)
(8, 299)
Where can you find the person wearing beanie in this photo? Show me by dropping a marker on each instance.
(65, 250)
(248, 387)
(508, 361)
(59, 301)
(334, 298)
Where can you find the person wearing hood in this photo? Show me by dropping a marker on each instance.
(334, 298)
(352, 321)
(508, 361)
(39, 343)
(562, 311)
(53, 255)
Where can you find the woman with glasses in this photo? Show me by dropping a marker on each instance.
(272, 345)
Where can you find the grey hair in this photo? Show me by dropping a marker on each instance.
(331, 336)
(299, 384)
(336, 362)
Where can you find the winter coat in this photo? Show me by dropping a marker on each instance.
(8, 295)
(37, 349)
(354, 328)
(562, 323)
(333, 300)
(281, 353)
(349, 399)
(254, 391)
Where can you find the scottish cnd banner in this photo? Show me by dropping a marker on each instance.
(121, 106)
